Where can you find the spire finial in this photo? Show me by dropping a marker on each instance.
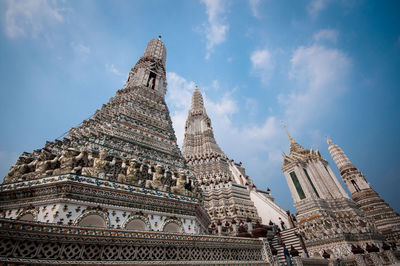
(197, 88)
(287, 132)
(328, 140)
(159, 37)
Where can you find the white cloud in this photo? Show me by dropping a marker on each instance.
(320, 75)
(215, 84)
(111, 68)
(217, 27)
(326, 34)
(179, 95)
(262, 64)
(316, 6)
(179, 91)
(254, 6)
(80, 48)
(30, 17)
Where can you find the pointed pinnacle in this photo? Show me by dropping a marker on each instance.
(328, 140)
(287, 132)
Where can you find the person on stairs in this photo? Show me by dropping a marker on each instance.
(286, 253)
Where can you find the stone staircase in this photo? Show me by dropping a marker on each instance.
(288, 238)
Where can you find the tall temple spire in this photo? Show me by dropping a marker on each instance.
(197, 100)
(126, 159)
(199, 137)
(135, 123)
(338, 156)
(149, 71)
(368, 200)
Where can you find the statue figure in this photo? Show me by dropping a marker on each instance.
(132, 174)
(99, 165)
(132, 170)
(156, 182)
(19, 169)
(180, 184)
(151, 83)
(42, 165)
(68, 161)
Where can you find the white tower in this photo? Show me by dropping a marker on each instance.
(367, 199)
(324, 210)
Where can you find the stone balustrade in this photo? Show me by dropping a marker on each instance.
(39, 243)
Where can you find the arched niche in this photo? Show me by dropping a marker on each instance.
(172, 227)
(27, 217)
(93, 220)
(136, 224)
(316, 254)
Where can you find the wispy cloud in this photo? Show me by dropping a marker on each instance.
(30, 17)
(262, 65)
(316, 6)
(216, 28)
(112, 69)
(254, 6)
(80, 48)
(179, 94)
(327, 35)
(320, 75)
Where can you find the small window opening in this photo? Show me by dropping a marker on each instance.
(151, 82)
(355, 185)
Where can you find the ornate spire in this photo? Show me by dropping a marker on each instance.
(197, 100)
(294, 146)
(287, 132)
(328, 140)
(149, 72)
(199, 137)
(338, 156)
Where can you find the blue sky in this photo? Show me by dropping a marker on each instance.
(327, 68)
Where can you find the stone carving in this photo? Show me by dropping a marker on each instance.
(68, 161)
(132, 172)
(19, 169)
(43, 165)
(99, 165)
(180, 184)
(156, 182)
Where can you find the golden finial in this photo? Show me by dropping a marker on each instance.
(328, 140)
(287, 132)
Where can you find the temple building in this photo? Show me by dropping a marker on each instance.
(118, 190)
(128, 145)
(328, 219)
(230, 197)
(368, 200)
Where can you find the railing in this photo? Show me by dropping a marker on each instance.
(39, 243)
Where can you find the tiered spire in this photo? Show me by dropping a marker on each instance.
(199, 137)
(197, 101)
(367, 199)
(134, 124)
(338, 156)
(213, 170)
